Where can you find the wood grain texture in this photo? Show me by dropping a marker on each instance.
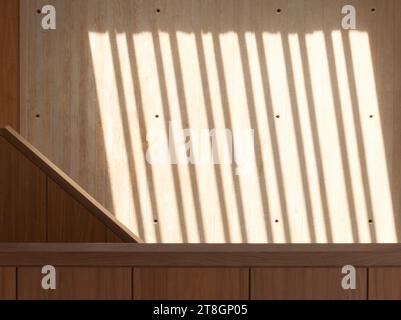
(385, 283)
(9, 60)
(68, 220)
(8, 281)
(201, 255)
(191, 283)
(72, 195)
(111, 237)
(396, 181)
(22, 197)
(77, 284)
(323, 103)
(304, 284)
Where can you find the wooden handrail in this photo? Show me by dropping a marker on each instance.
(69, 185)
(201, 255)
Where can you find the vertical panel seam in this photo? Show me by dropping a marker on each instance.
(132, 283)
(16, 283)
(47, 208)
(249, 283)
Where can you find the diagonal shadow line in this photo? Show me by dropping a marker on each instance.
(227, 116)
(299, 138)
(255, 125)
(273, 133)
(315, 136)
(359, 134)
(142, 128)
(341, 136)
(167, 115)
(129, 152)
(185, 118)
(211, 124)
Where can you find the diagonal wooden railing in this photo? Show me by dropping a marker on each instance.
(69, 185)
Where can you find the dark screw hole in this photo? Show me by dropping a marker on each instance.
(156, 116)
(370, 221)
(278, 10)
(278, 116)
(373, 9)
(155, 221)
(39, 11)
(371, 116)
(37, 116)
(276, 221)
(158, 10)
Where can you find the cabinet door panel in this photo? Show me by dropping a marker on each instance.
(191, 283)
(304, 284)
(384, 283)
(8, 283)
(77, 283)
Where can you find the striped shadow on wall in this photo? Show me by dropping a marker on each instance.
(322, 103)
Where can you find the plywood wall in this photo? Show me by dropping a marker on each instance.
(324, 104)
(9, 60)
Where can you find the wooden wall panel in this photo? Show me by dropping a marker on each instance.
(22, 197)
(68, 220)
(384, 283)
(304, 284)
(111, 237)
(191, 283)
(8, 282)
(323, 103)
(77, 284)
(396, 181)
(9, 60)
(38, 202)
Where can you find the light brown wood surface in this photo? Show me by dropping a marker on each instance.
(323, 103)
(191, 283)
(305, 284)
(77, 284)
(9, 60)
(22, 197)
(8, 282)
(385, 283)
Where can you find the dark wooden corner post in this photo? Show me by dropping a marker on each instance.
(9, 62)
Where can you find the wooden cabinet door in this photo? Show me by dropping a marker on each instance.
(384, 283)
(8, 283)
(304, 284)
(77, 283)
(191, 283)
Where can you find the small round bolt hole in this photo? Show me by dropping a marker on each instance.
(37, 116)
(278, 116)
(373, 10)
(371, 116)
(39, 11)
(370, 221)
(276, 221)
(278, 10)
(156, 116)
(158, 10)
(155, 221)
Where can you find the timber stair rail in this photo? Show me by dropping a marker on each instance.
(69, 185)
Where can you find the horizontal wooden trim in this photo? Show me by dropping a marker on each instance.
(68, 185)
(201, 255)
